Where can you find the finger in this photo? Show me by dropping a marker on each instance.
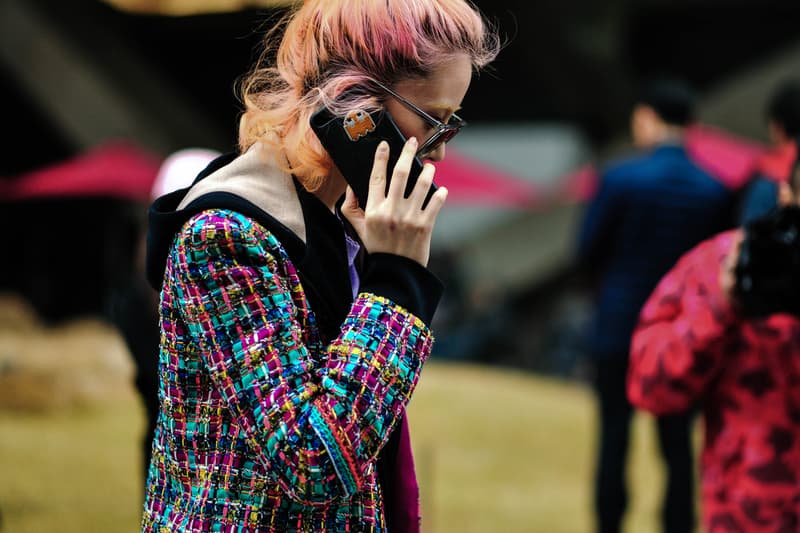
(350, 204)
(423, 184)
(397, 186)
(351, 210)
(435, 204)
(377, 178)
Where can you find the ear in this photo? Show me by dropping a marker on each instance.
(785, 195)
(645, 113)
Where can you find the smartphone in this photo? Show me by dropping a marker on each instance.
(351, 141)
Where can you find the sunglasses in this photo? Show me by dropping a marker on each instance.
(443, 132)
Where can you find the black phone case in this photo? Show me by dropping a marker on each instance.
(352, 140)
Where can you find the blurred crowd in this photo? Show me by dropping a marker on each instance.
(696, 315)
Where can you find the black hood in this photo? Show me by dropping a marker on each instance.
(321, 261)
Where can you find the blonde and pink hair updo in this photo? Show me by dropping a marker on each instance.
(330, 46)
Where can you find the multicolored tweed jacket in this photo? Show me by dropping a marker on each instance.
(266, 426)
(691, 348)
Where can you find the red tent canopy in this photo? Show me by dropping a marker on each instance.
(730, 158)
(122, 170)
(470, 181)
(116, 169)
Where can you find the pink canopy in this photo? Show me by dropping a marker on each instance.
(470, 181)
(730, 158)
(123, 170)
(115, 169)
(119, 169)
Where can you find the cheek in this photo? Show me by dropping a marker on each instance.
(411, 128)
(410, 125)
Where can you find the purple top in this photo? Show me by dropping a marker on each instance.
(352, 252)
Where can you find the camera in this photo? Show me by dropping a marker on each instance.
(767, 273)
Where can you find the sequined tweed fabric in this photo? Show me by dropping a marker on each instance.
(263, 428)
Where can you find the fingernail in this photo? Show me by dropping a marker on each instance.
(383, 147)
(413, 142)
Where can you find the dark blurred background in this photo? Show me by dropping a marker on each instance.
(578, 61)
(79, 74)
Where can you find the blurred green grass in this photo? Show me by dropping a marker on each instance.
(496, 451)
(500, 450)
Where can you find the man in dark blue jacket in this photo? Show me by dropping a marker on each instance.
(648, 211)
(775, 166)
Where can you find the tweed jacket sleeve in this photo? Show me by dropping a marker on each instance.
(316, 416)
(679, 344)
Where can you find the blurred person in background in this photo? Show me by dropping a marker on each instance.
(133, 304)
(701, 342)
(773, 168)
(294, 324)
(647, 212)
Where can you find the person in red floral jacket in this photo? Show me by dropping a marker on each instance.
(694, 346)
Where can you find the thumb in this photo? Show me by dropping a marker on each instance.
(353, 213)
(350, 205)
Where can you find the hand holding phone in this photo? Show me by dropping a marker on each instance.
(393, 222)
(351, 141)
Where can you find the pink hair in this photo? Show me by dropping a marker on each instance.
(329, 46)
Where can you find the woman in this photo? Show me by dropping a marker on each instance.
(289, 351)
